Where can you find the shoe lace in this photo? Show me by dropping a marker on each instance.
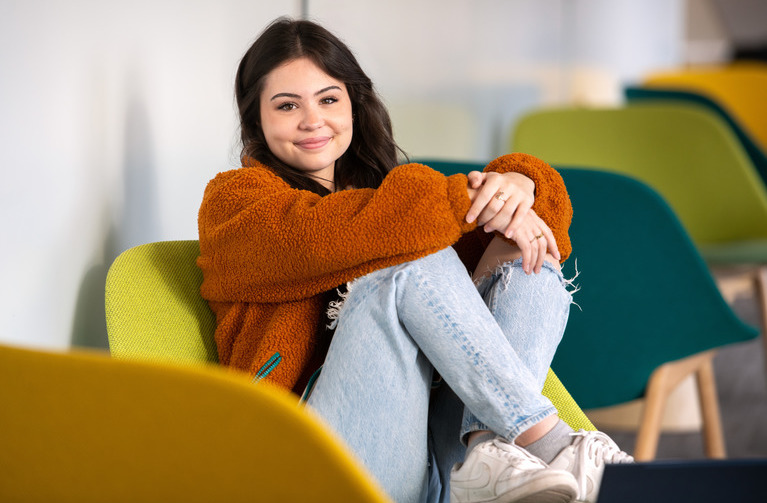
(601, 448)
(518, 456)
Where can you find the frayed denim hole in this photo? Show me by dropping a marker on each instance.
(335, 307)
(572, 287)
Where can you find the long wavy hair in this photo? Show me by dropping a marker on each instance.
(372, 152)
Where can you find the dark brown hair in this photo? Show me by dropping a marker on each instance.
(372, 153)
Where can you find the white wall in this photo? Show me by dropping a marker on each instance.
(114, 115)
(490, 60)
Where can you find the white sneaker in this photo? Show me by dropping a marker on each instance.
(501, 472)
(586, 457)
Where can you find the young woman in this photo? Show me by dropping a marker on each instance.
(322, 253)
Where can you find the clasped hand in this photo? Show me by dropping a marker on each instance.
(503, 202)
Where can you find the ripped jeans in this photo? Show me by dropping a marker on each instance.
(492, 344)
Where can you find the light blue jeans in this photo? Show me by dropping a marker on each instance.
(492, 344)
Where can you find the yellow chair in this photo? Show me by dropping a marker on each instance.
(84, 427)
(740, 88)
(154, 311)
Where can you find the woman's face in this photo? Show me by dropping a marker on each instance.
(306, 116)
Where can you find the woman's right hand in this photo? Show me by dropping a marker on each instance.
(499, 201)
(513, 217)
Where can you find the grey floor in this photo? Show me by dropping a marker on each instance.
(742, 386)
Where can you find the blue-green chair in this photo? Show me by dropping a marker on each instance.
(648, 312)
(686, 153)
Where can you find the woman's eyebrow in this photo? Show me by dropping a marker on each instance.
(296, 96)
(327, 89)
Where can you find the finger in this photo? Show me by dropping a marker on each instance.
(496, 220)
(476, 178)
(487, 195)
(551, 242)
(525, 244)
(541, 250)
(521, 213)
(522, 210)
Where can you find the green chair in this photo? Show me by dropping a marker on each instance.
(155, 311)
(686, 153)
(738, 87)
(663, 95)
(84, 427)
(153, 305)
(648, 312)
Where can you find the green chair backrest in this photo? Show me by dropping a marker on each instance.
(645, 297)
(153, 305)
(84, 427)
(739, 87)
(687, 154)
(755, 153)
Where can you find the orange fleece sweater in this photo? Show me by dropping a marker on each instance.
(269, 252)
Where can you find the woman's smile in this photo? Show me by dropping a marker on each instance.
(314, 143)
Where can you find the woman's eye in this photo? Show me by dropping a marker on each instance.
(287, 107)
(328, 101)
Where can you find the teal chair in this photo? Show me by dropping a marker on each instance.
(663, 95)
(648, 313)
(686, 153)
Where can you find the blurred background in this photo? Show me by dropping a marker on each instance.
(115, 114)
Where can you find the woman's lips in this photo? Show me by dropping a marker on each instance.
(314, 143)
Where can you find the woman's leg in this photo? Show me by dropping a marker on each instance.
(374, 388)
(531, 310)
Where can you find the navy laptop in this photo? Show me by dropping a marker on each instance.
(736, 481)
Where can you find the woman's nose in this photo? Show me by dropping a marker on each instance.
(312, 119)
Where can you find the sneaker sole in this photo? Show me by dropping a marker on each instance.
(549, 489)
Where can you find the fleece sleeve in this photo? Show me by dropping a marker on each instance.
(263, 241)
(552, 203)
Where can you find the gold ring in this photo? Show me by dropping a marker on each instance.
(539, 236)
(499, 196)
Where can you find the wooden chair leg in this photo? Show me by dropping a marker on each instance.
(713, 437)
(660, 385)
(649, 427)
(761, 291)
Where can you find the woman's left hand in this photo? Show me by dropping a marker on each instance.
(535, 239)
(501, 200)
